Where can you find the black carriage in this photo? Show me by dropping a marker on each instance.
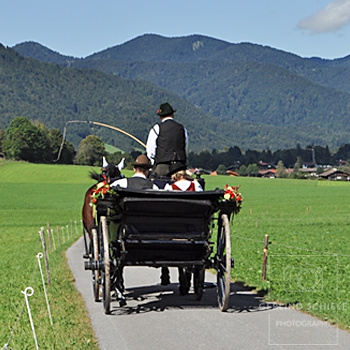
(157, 229)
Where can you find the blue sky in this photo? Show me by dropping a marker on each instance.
(308, 28)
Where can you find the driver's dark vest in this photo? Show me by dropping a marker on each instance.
(171, 143)
(139, 183)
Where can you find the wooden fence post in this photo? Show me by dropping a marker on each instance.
(49, 236)
(58, 236)
(46, 258)
(266, 245)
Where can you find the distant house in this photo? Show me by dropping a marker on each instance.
(269, 173)
(342, 162)
(235, 166)
(311, 171)
(199, 171)
(263, 165)
(232, 173)
(335, 174)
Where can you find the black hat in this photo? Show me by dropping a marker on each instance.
(142, 162)
(175, 167)
(165, 109)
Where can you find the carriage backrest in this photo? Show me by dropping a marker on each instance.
(167, 215)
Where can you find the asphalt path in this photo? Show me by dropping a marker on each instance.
(156, 317)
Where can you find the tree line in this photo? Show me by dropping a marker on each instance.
(234, 157)
(31, 141)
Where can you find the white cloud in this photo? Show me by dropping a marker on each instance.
(332, 18)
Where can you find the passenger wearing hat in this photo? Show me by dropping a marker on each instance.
(140, 179)
(183, 181)
(166, 142)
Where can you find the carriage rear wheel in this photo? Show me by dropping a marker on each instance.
(223, 262)
(198, 282)
(96, 259)
(106, 269)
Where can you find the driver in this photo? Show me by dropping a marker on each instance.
(166, 143)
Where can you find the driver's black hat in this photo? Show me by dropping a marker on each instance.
(165, 109)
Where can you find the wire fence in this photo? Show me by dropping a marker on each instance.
(50, 243)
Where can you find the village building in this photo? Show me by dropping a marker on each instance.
(335, 174)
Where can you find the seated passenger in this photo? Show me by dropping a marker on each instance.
(183, 181)
(140, 179)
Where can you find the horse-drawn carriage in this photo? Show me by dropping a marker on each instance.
(187, 230)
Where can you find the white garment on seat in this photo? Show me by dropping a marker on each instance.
(183, 185)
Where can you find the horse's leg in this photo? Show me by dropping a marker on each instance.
(165, 277)
(88, 222)
(184, 280)
(87, 214)
(119, 285)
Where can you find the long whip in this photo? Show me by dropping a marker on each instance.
(95, 123)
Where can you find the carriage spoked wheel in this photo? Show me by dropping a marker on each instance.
(198, 282)
(96, 258)
(223, 262)
(106, 268)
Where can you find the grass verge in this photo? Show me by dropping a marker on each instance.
(33, 195)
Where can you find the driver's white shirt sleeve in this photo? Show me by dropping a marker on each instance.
(151, 144)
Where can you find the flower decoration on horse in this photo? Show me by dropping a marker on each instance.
(233, 199)
(101, 190)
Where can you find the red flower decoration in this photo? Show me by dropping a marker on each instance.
(99, 191)
(232, 194)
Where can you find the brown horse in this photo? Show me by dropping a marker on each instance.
(87, 216)
(109, 174)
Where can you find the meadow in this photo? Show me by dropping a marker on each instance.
(32, 196)
(308, 257)
(307, 223)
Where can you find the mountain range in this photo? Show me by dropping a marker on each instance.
(248, 95)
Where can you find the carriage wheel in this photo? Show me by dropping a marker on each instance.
(223, 262)
(106, 270)
(96, 259)
(198, 282)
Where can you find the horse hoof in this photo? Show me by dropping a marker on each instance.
(122, 302)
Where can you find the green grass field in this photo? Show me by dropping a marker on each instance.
(308, 262)
(32, 196)
(308, 259)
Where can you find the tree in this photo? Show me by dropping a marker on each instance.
(67, 153)
(281, 171)
(297, 174)
(2, 138)
(90, 152)
(221, 169)
(253, 170)
(234, 154)
(26, 141)
(242, 170)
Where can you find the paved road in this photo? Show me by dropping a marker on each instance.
(156, 317)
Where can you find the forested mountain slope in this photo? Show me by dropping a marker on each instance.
(266, 93)
(55, 95)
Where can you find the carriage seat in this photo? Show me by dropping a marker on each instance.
(166, 226)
